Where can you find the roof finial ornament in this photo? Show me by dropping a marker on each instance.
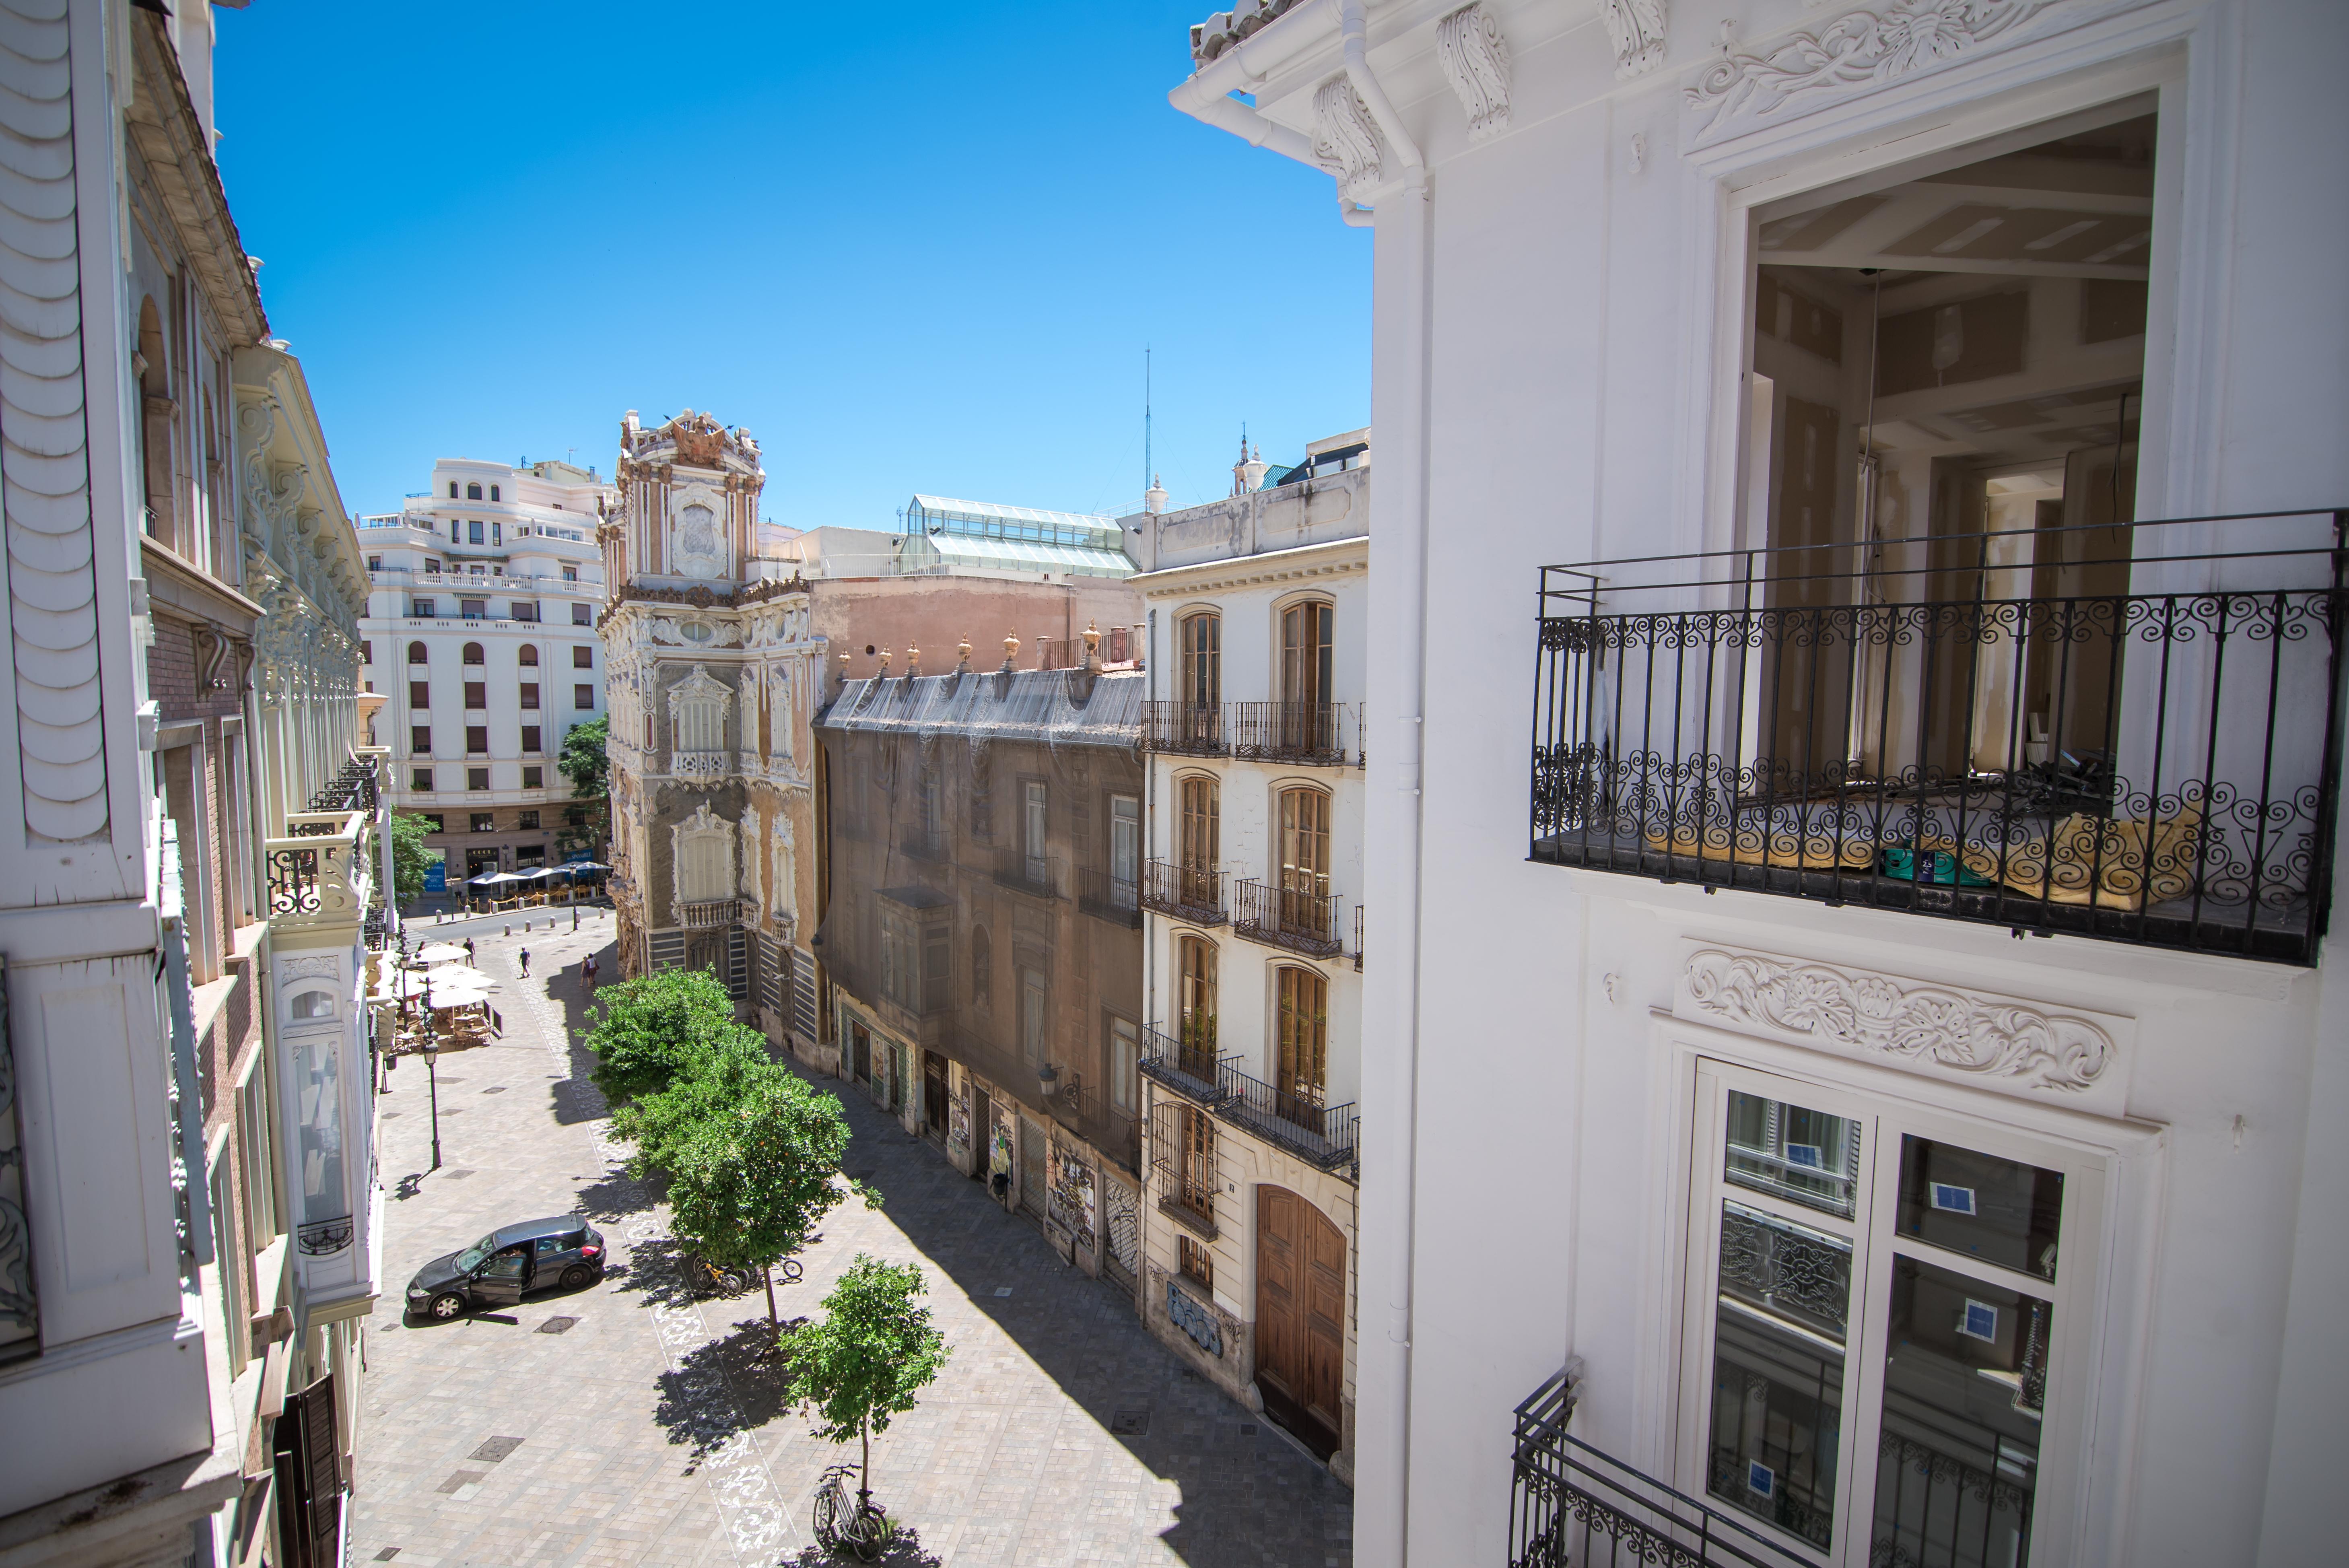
(1010, 652)
(913, 661)
(1093, 646)
(963, 648)
(885, 664)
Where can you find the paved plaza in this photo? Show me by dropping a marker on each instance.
(628, 1423)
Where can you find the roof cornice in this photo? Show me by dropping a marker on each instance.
(1338, 558)
(163, 123)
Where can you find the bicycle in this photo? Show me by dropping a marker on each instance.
(862, 1527)
(706, 1278)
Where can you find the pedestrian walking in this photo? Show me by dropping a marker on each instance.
(525, 963)
(469, 950)
(587, 970)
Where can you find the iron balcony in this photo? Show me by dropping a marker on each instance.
(1300, 732)
(1292, 919)
(1323, 1135)
(1189, 1070)
(2130, 733)
(1106, 896)
(1184, 892)
(1185, 728)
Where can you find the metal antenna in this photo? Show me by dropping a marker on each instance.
(1147, 479)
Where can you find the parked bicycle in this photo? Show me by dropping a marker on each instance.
(860, 1526)
(706, 1278)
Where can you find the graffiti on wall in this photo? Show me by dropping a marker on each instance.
(959, 1123)
(1194, 1319)
(1072, 1193)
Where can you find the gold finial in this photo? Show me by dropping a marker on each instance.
(1010, 650)
(1093, 636)
(963, 649)
(913, 660)
(885, 661)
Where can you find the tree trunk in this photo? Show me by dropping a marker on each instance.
(774, 1320)
(865, 1470)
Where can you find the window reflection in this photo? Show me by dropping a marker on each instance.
(1804, 1156)
(1996, 1210)
(1778, 1373)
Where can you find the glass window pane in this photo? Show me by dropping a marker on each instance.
(1777, 1372)
(1804, 1156)
(1965, 1377)
(1996, 1210)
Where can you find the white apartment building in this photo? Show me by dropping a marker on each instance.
(481, 634)
(1852, 1072)
(1252, 898)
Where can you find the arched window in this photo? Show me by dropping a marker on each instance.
(1306, 652)
(528, 656)
(473, 654)
(1195, 982)
(699, 705)
(310, 1005)
(1201, 644)
(416, 654)
(982, 968)
(705, 858)
(473, 492)
(1199, 843)
(1304, 882)
(452, 490)
(494, 492)
(155, 427)
(1303, 1032)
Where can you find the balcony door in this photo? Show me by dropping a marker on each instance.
(1195, 978)
(1304, 653)
(1200, 639)
(1888, 1326)
(1304, 859)
(1200, 847)
(1302, 1034)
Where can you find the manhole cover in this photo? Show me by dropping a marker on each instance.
(495, 1088)
(454, 1175)
(454, 1110)
(1003, 1290)
(495, 1449)
(1130, 1423)
(1247, 1429)
(557, 1325)
(456, 1081)
(386, 1554)
(459, 1479)
(866, 1174)
(388, 1115)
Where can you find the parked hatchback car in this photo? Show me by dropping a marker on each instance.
(507, 1264)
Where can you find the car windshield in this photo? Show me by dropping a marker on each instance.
(471, 1257)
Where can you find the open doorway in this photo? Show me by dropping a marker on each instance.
(1948, 374)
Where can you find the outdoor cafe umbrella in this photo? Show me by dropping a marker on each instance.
(587, 865)
(458, 996)
(460, 974)
(496, 879)
(439, 953)
(400, 984)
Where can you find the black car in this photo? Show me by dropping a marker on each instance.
(506, 1264)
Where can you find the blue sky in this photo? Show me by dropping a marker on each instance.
(913, 248)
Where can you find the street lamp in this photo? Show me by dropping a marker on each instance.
(433, 1076)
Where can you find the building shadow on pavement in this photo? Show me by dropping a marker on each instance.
(577, 1098)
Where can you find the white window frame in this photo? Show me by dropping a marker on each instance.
(2096, 1361)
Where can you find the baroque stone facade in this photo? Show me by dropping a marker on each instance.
(713, 679)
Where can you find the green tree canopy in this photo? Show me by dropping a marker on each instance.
(408, 857)
(870, 1357)
(643, 1032)
(751, 1175)
(661, 1121)
(584, 759)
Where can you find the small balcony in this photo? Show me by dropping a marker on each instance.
(1186, 729)
(1570, 1503)
(1037, 875)
(1294, 919)
(322, 872)
(701, 766)
(1325, 1135)
(1181, 893)
(2128, 733)
(1189, 1068)
(706, 914)
(1309, 733)
(1107, 896)
(1358, 939)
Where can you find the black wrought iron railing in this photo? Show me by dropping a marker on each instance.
(1294, 918)
(1105, 896)
(1571, 1504)
(2130, 732)
(1305, 732)
(351, 790)
(1184, 892)
(1037, 874)
(1358, 939)
(1187, 1066)
(1185, 728)
(1295, 1119)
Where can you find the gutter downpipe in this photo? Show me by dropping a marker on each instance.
(1404, 243)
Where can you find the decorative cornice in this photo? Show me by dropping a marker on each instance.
(1476, 60)
(1857, 52)
(1335, 559)
(1636, 29)
(1967, 1034)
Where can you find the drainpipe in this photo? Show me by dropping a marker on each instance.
(1403, 253)
(1243, 68)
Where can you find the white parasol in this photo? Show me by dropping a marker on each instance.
(439, 953)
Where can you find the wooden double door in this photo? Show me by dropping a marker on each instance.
(1300, 1318)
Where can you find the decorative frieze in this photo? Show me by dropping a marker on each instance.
(1956, 1033)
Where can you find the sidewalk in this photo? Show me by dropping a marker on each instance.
(649, 1434)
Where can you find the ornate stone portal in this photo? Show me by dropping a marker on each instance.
(713, 679)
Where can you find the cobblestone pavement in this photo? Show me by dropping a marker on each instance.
(628, 1423)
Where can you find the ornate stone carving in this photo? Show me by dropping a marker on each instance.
(1475, 60)
(326, 964)
(1345, 141)
(1636, 27)
(1856, 51)
(698, 544)
(1961, 1031)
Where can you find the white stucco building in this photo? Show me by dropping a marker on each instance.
(1855, 1038)
(1252, 933)
(481, 634)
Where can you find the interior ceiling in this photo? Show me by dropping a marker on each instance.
(2078, 206)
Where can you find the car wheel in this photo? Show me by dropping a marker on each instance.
(576, 1275)
(446, 1306)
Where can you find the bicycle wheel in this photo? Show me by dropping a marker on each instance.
(827, 1517)
(789, 1271)
(873, 1532)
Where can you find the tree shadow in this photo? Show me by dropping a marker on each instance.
(729, 1385)
(905, 1550)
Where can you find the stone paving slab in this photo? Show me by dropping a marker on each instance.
(649, 1432)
